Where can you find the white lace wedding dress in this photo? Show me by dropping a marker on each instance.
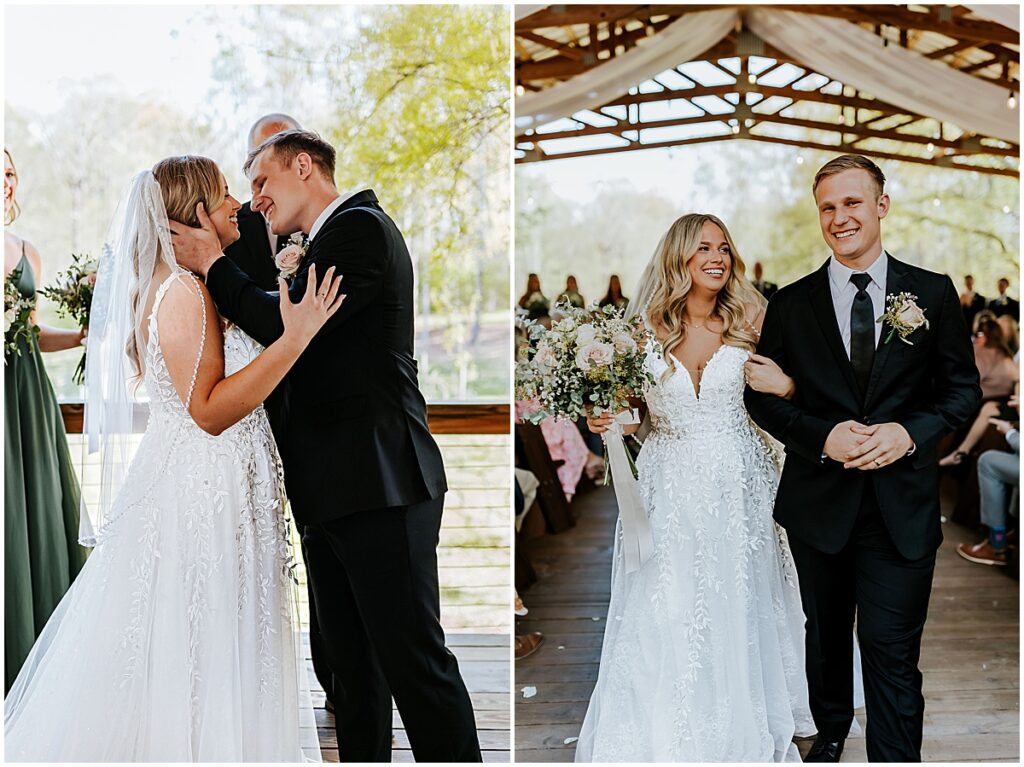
(703, 655)
(176, 642)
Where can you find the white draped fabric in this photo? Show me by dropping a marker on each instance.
(906, 79)
(833, 47)
(522, 11)
(1007, 15)
(679, 42)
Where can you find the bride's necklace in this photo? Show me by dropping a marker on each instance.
(702, 325)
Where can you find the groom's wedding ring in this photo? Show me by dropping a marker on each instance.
(878, 462)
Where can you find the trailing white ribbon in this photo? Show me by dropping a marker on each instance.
(637, 539)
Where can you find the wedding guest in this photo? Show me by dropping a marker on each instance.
(989, 410)
(983, 316)
(533, 300)
(1011, 332)
(998, 475)
(765, 288)
(995, 361)
(571, 293)
(970, 302)
(1003, 304)
(614, 295)
(41, 492)
(254, 251)
(567, 449)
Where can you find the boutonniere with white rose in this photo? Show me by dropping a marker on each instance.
(903, 316)
(290, 256)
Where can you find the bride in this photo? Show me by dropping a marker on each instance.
(703, 654)
(176, 642)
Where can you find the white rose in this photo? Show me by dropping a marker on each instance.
(288, 259)
(9, 316)
(585, 334)
(912, 316)
(593, 354)
(623, 343)
(545, 358)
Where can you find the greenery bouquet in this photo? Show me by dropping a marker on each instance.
(72, 293)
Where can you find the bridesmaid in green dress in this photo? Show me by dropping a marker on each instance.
(41, 494)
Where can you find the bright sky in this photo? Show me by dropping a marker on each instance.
(149, 49)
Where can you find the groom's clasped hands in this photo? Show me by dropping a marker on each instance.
(858, 446)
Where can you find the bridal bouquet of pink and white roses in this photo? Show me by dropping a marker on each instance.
(590, 361)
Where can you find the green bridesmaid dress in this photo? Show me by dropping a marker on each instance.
(41, 498)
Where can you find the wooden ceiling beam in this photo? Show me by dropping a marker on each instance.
(766, 91)
(890, 134)
(565, 15)
(537, 155)
(569, 51)
(562, 65)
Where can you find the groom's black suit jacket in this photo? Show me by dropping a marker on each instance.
(930, 387)
(350, 421)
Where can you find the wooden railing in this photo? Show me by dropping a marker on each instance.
(443, 417)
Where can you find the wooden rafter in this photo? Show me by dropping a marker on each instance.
(569, 40)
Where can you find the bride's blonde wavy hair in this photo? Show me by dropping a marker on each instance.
(185, 181)
(667, 305)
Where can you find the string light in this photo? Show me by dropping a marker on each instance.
(799, 160)
(1011, 103)
(1006, 209)
(936, 202)
(931, 147)
(751, 78)
(520, 90)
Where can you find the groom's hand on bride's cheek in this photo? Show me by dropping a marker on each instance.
(196, 248)
(844, 441)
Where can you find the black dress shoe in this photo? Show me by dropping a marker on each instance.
(825, 750)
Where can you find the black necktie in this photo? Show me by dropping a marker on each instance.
(862, 331)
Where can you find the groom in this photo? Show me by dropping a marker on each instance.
(859, 493)
(363, 473)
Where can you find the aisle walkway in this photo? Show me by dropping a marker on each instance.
(970, 655)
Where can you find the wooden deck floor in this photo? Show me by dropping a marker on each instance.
(970, 654)
(484, 662)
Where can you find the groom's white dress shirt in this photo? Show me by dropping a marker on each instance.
(332, 206)
(844, 291)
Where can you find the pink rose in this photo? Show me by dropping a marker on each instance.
(593, 354)
(288, 259)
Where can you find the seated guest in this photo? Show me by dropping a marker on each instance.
(571, 293)
(765, 288)
(995, 362)
(566, 445)
(983, 316)
(533, 300)
(989, 410)
(998, 475)
(970, 302)
(1003, 304)
(1011, 333)
(614, 295)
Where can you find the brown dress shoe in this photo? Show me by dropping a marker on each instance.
(528, 644)
(982, 553)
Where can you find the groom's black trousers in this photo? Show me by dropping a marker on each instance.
(889, 596)
(374, 576)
